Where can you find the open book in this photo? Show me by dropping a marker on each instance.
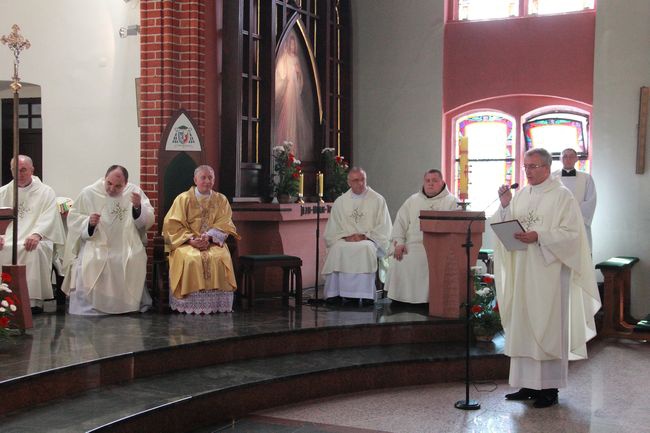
(506, 230)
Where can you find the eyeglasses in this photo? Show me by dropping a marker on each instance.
(532, 166)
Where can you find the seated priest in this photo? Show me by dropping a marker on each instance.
(356, 234)
(408, 273)
(105, 261)
(202, 279)
(39, 229)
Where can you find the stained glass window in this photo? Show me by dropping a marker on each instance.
(545, 7)
(491, 139)
(487, 9)
(557, 131)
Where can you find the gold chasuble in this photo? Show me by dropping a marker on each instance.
(191, 270)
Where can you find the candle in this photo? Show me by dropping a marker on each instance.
(463, 147)
(301, 184)
(319, 176)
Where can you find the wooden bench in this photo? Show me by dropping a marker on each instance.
(617, 320)
(291, 275)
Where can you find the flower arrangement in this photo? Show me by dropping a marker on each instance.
(8, 305)
(484, 310)
(336, 174)
(287, 170)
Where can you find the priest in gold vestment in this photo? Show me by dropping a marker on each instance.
(202, 278)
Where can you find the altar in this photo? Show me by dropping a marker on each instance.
(269, 228)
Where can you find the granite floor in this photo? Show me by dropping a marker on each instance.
(606, 394)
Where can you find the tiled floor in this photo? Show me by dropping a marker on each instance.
(607, 394)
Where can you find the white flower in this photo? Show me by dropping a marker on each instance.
(278, 149)
(12, 307)
(476, 270)
(296, 162)
(485, 291)
(4, 287)
(4, 303)
(2, 309)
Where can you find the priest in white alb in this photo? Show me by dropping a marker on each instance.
(39, 228)
(582, 186)
(105, 258)
(357, 235)
(547, 290)
(408, 271)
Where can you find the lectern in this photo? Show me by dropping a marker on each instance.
(445, 234)
(22, 318)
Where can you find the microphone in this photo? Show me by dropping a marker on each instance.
(513, 186)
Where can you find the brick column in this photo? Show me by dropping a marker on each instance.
(172, 77)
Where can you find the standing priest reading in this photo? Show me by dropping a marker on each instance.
(39, 229)
(408, 273)
(202, 279)
(105, 258)
(547, 291)
(356, 234)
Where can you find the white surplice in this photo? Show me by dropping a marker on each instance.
(37, 213)
(408, 279)
(350, 267)
(584, 190)
(547, 293)
(105, 272)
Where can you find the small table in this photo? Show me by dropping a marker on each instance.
(617, 321)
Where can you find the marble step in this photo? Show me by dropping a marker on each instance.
(83, 368)
(187, 399)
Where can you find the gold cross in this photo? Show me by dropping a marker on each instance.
(16, 43)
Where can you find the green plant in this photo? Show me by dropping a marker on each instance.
(484, 310)
(287, 170)
(336, 174)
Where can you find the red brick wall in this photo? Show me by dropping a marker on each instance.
(172, 76)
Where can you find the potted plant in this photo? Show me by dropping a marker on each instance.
(484, 310)
(8, 305)
(336, 174)
(287, 171)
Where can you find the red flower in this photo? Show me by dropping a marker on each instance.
(4, 322)
(339, 159)
(6, 278)
(487, 279)
(291, 157)
(295, 175)
(9, 300)
(476, 309)
(496, 308)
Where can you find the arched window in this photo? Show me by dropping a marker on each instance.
(558, 130)
(491, 155)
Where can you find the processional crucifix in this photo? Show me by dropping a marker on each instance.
(16, 43)
(23, 317)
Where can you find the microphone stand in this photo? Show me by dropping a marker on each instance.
(468, 404)
(316, 300)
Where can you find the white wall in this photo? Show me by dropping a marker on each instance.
(86, 73)
(397, 95)
(621, 225)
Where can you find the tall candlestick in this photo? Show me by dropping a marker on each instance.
(301, 184)
(320, 184)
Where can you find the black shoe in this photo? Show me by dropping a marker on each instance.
(547, 397)
(367, 302)
(335, 300)
(523, 394)
(36, 310)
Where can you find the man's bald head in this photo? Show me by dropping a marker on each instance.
(25, 170)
